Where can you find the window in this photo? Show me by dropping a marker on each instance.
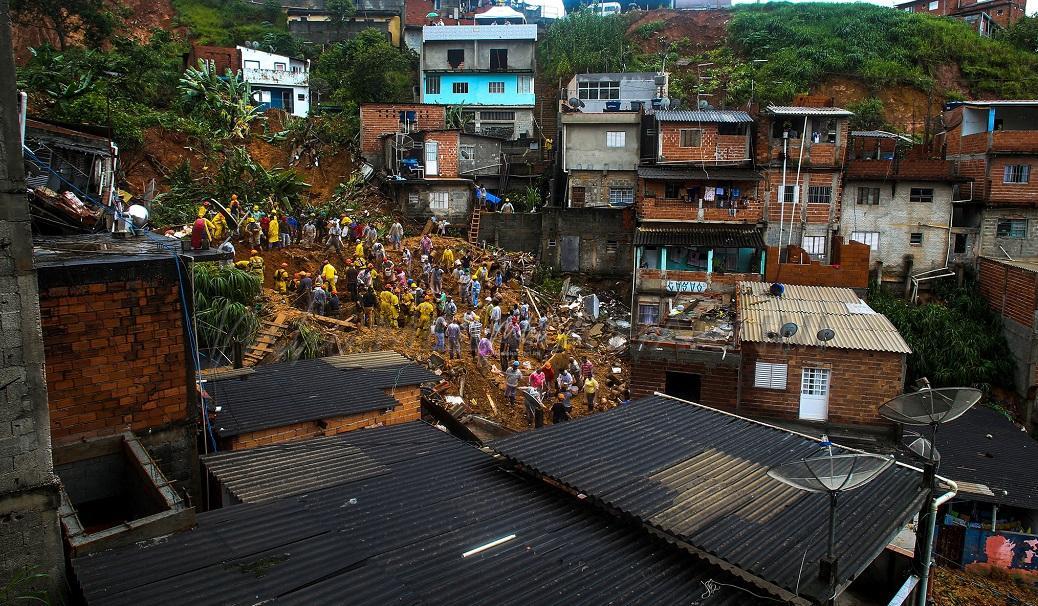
(252, 64)
(819, 195)
(767, 375)
(438, 200)
(467, 152)
(649, 313)
(499, 58)
(789, 194)
(607, 90)
(616, 138)
(920, 194)
(552, 243)
(960, 243)
(621, 196)
(671, 189)
(915, 238)
(1016, 173)
(611, 247)
(432, 85)
(496, 88)
(868, 195)
(456, 57)
(498, 116)
(301, 97)
(814, 245)
(460, 88)
(525, 85)
(1011, 228)
(867, 237)
(279, 67)
(577, 197)
(691, 137)
(934, 4)
(726, 128)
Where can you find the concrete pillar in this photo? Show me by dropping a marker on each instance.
(30, 537)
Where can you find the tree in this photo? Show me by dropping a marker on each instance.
(365, 69)
(95, 20)
(340, 11)
(868, 114)
(225, 102)
(1023, 34)
(223, 306)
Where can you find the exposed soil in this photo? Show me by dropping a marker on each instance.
(704, 30)
(953, 587)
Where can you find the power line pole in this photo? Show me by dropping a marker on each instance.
(29, 496)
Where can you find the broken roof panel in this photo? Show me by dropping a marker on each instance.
(812, 308)
(444, 525)
(699, 476)
(282, 394)
(719, 235)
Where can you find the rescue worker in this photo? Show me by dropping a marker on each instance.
(273, 233)
(590, 389)
(234, 207)
(425, 315)
(219, 227)
(200, 234)
(447, 257)
(406, 307)
(256, 265)
(281, 279)
(385, 303)
(368, 302)
(329, 275)
(359, 250)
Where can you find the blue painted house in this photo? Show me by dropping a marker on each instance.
(488, 69)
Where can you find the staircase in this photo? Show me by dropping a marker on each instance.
(474, 225)
(268, 336)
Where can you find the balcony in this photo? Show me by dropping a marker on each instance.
(749, 211)
(275, 77)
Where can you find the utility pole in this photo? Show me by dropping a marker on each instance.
(29, 495)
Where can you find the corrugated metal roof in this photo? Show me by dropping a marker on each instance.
(879, 134)
(788, 110)
(282, 394)
(700, 234)
(813, 308)
(432, 33)
(700, 476)
(398, 538)
(984, 449)
(708, 115)
(707, 173)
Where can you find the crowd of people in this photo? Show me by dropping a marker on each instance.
(410, 294)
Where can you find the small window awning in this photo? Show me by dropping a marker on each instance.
(710, 235)
(692, 173)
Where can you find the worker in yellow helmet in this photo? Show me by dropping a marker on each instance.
(385, 300)
(256, 265)
(447, 259)
(219, 229)
(273, 232)
(359, 251)
(425, 314)
(329, 275)
(281, 279)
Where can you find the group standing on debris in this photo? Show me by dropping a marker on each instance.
(410, 294)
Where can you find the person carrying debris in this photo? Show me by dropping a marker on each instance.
(454, 340)
(590, 389)
(318, 300)
(256, 265)
(425, 313)
(512, 377)
(368, 302)
(396, 235)
(534, 406)
(281, 279)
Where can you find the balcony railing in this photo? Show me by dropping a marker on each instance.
(275, 77)
(749, 211)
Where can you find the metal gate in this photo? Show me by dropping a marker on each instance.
(570, 260)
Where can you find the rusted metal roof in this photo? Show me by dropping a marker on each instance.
(812, 308)
(787, 110)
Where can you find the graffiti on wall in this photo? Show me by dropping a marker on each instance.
(1012, 551)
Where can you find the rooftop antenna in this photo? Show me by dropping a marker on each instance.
(932, 407)
(832, 474)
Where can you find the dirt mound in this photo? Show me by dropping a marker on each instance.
(705, 29)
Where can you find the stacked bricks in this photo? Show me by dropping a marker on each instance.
(408, 409)
(116, 357)
(377, 119)
(859, 381)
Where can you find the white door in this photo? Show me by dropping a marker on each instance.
(814, 394)
(432, 149)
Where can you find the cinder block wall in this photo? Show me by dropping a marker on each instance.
(991, 245)
(409, 409)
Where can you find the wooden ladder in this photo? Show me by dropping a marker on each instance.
(474, 225)
(268, 336)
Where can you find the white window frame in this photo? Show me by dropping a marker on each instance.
(616, 138)
(439, 201)
(867, 237)
(621, 196)
(920, 194)
(608, 90)
(814, 245)
(934, 5)
(496, 88)
(463, 86)
(250, 64)
(770, 375)
(643, 307)
(466, 151)
(1016, 174)
(280, 67)
(524, 85)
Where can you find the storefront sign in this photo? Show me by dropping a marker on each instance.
(685, 286)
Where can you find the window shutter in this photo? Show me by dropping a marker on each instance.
(770, 376)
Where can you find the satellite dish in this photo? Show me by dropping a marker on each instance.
(921, 447)
(575, 102)
(788, 330)
(776, 289)
(675, 103)
(138, 214)
(665, 103)
(930, 406)
(826, 334)
(832, 474)
(703, 104)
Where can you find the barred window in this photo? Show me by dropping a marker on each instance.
(820, 195)
(920, 194)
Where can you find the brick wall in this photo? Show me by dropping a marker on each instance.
(817, 214)
(992, 245)
(1011, 291)
(665, 208)
(718, 382)
(222, 58)
(116, 357)
(714, 145)
(849, 268)
(1022, 194)
(446, 151)
(377, 119)
(409, 409)
(859, 382)
(596, 185)
(815, 155)
(654, 279)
